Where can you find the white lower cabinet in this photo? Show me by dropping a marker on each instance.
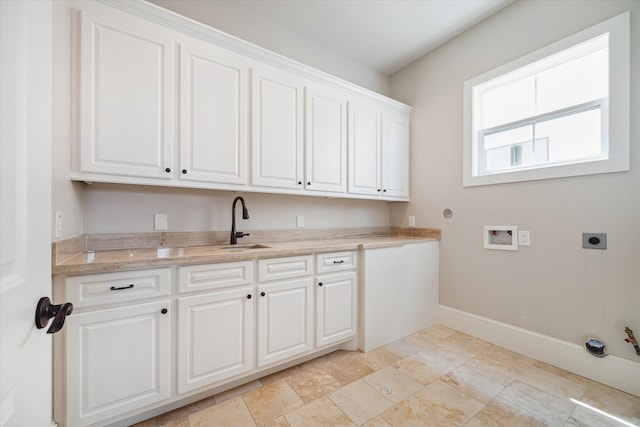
(118, 360)
(336, 297)
(120, 350)
(284, 320)
(336, 315)
(215, 337)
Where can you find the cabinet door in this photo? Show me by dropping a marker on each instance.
(284, 322)
(336, 309)
(276, 125)
(364, 149)
(213, 114)
(126, 85)
(215, 339)
(395, 156)
(325, 140)
(118, 360)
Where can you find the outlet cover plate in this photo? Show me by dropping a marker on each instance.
(160, 222)
(594, 240)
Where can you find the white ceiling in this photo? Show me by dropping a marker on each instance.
(385, 35)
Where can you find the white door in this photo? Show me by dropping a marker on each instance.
(25, 208)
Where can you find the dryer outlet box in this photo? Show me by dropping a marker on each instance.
(594, 240)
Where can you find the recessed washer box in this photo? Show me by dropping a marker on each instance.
(501, 237)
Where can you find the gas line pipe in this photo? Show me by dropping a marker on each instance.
(632, 340)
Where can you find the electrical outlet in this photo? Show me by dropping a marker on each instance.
(412, 221)
(300, 221)
(160, 222)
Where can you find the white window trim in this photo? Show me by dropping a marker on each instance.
(619, 106)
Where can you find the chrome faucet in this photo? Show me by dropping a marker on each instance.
(245, 215)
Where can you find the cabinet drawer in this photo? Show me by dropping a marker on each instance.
(125, 286)
(214, 276)
(336, 261)
(282, 268)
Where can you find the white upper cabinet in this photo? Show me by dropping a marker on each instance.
(364, 149)
(378, 151)
(126, 86)
(178, 104)
(325, 140)
(213, 114)
(395, 155)
(276, 128)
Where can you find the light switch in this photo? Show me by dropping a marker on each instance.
(58, 223)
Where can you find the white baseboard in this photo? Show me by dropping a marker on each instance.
(613, 371)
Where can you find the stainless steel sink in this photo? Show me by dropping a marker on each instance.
(244, 247)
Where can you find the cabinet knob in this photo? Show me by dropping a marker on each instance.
(299, 182)
(262, 294)
(164, 311)
(249, 296)
(384, 191)
(184, 171)
(320, 284)
(378, 189)
(308, 182)
(167, 170)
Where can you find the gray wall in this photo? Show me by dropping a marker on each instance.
(553, 287)
(225, 16)
(121, 208)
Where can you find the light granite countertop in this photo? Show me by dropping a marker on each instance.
(102, 260)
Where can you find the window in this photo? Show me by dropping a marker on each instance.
(560, 111)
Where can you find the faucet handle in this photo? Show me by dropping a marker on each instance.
(241, 234)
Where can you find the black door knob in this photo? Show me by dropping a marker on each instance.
(45, 311)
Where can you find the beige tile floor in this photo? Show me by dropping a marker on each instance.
(436, 377)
